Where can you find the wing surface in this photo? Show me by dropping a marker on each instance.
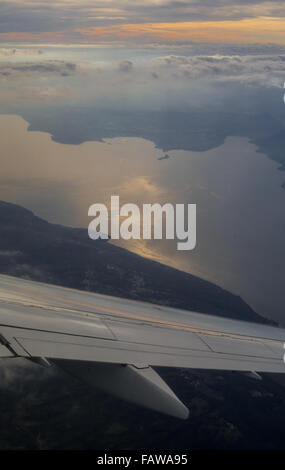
(78, 329)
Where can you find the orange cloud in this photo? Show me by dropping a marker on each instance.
(264, 29)
(251, 30)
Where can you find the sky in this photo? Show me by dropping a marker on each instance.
(152, 22)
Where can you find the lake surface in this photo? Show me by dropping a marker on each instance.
(238, 192)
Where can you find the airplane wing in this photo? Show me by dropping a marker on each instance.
(112, 343)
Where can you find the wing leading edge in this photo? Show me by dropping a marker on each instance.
(111, 343)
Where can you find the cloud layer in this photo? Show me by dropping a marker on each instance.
(143, 20)
(115, 76)
(265, 70)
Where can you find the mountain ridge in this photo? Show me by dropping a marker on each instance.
(33, 248)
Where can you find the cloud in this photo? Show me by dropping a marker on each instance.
(253, 65)
(18, 370)
(250, 65)
(125, 66)
(40, 15)
(29, 70)
(249, 30)
(14, 52)
(265, 70)
(9, 253)
(144, 20)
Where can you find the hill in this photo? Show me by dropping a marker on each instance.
(32, 248)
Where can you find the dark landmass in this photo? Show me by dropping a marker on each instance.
(43, 409)
(194, 129)
(33, 248)
(46, 409)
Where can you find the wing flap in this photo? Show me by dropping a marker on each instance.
(242, 347)
(69, 347)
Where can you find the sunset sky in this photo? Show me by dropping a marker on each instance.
(143, 21)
